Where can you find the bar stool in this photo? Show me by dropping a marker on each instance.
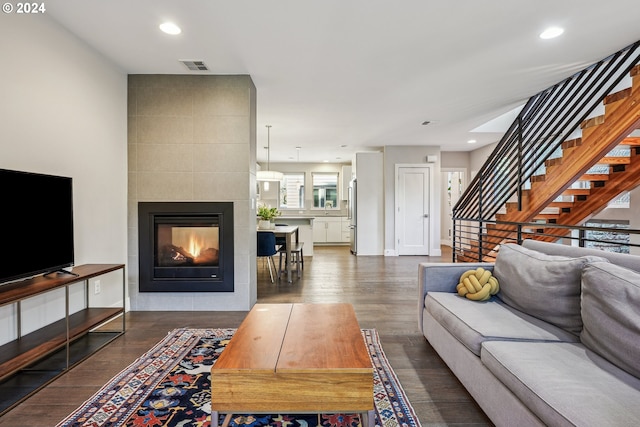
(297, 257)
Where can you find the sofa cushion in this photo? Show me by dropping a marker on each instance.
(565, 384)
(611, 314)
(472, 322)
(544, 286)
(625, 260)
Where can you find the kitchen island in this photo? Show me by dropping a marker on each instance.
(305, 229)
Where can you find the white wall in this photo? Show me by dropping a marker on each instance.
(455, 159)
(478, 157)
(64, 112)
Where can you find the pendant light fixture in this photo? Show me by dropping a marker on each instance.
(268, 175)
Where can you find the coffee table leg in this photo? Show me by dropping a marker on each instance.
(369, 418)
(215, 417)
(227, 420)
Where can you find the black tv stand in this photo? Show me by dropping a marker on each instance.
(61, 271)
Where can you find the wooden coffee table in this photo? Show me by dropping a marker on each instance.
(294, 358)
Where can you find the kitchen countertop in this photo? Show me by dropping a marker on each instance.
(311, 216)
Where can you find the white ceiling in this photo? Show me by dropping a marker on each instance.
(362, 73)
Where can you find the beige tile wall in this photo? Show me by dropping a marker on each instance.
(193, 138)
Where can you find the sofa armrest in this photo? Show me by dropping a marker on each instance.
(442, 277)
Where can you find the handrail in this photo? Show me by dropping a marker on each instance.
(468, 245)
(542, 125)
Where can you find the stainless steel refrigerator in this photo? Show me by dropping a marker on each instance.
(352, 214)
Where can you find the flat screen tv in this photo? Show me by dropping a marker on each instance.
(37, 216)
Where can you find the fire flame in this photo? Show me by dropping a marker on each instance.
(196, 245)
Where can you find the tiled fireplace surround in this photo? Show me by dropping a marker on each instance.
(193, 138)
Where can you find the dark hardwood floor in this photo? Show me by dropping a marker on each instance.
(383, 291)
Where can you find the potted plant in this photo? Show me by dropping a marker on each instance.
(266, 214)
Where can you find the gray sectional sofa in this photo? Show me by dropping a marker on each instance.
(559, 345)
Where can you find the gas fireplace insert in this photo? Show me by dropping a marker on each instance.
(185, 246)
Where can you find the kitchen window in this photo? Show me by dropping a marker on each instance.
(325, 190)
(292, 191)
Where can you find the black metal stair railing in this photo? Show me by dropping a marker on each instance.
(621, 239)
(542, 125)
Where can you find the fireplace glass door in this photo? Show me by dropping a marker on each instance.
(186, 246)
(180, 245)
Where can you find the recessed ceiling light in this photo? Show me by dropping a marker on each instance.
(170, 28)
(551, 32)
(471, 141)
(325, 161)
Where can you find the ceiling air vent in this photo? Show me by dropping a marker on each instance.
(195, 65)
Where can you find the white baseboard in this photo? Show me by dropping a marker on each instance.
(390, 252)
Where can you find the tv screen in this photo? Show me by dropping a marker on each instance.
(37, 212)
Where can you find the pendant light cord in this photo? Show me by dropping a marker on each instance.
(268, 146)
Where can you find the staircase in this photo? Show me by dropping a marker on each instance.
(600, 135)
(579, 177)
(623, 175)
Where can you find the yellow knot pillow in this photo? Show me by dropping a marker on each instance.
(478, 284)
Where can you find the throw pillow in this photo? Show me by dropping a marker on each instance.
(611, 314)
(477, 285)
(541, 285)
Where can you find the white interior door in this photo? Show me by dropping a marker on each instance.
(412, 210)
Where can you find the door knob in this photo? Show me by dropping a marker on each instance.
(426, 215)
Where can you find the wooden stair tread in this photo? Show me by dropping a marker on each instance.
(576, 192)
(614, 160)
(560, 204)
(571, 143)
(553, 162)
(632, 141)
(593, 121)
(545, 216)
(594, 177)
(618, 96)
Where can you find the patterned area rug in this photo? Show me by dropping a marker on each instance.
(170, 385)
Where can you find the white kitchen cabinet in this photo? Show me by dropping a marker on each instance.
(327, 230)
(319, 231)
(346, 231)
